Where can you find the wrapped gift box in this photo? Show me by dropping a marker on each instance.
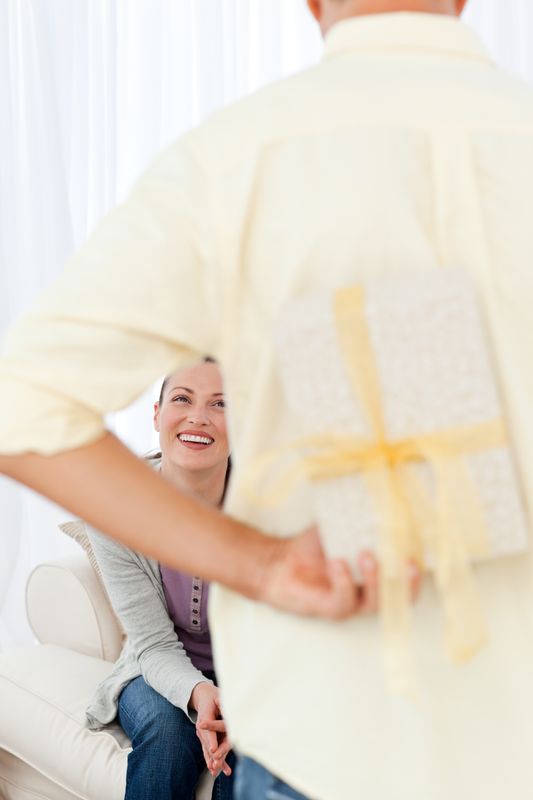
(434, 374)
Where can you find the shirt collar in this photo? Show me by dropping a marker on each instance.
(436, 33)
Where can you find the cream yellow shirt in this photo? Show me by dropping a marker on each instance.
(405, 149)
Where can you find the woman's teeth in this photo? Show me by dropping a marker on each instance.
(190, 437)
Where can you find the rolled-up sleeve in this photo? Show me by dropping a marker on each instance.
(137, 301)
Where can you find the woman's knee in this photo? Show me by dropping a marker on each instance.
(145, 714)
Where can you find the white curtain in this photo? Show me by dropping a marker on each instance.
(506, 27)
(90, 91)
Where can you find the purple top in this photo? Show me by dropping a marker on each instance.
(187, 607)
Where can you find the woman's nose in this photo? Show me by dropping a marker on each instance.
(198, 416)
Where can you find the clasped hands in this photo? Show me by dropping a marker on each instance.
(211, 728)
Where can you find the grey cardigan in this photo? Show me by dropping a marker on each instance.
(152, 648)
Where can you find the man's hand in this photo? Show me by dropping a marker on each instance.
(211, 728)
(300, 579)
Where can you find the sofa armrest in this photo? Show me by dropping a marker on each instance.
(66, 605)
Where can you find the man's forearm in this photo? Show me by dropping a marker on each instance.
(105, 484)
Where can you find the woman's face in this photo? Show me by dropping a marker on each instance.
(191, 419)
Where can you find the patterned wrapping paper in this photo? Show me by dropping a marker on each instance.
(435, 374)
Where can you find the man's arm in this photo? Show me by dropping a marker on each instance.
(105, 484)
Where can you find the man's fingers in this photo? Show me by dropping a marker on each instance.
(369, 590)
(369, 596)
(415, 580)
(341, 600)
(312, 584)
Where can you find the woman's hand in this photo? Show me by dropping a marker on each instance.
(210, 727)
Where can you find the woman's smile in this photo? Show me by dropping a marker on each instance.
(191, 421)
(195, 440)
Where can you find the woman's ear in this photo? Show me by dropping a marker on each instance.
(156, 417)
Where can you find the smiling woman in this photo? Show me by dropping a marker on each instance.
(165, 679)
(190, 419)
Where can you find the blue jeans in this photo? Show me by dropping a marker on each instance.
(254, 782)
(166, 760)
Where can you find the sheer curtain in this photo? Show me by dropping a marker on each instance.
(90, 90)
(506, 27)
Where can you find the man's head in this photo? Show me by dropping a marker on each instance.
(328, 12)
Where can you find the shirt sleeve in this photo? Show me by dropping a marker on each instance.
(137, 302)
(139, 604)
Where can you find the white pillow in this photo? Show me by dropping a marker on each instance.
(77, 530)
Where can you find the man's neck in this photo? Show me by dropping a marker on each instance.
(346, 9)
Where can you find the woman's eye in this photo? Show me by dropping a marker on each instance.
(180, 398)
(220, 404)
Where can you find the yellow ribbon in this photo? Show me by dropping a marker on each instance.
(445, 521)
(450, 527)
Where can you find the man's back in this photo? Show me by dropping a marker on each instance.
(405, 150)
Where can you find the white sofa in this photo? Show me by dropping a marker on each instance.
(45, 749)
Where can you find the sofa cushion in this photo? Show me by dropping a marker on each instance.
(44, 691)
(19, 781)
